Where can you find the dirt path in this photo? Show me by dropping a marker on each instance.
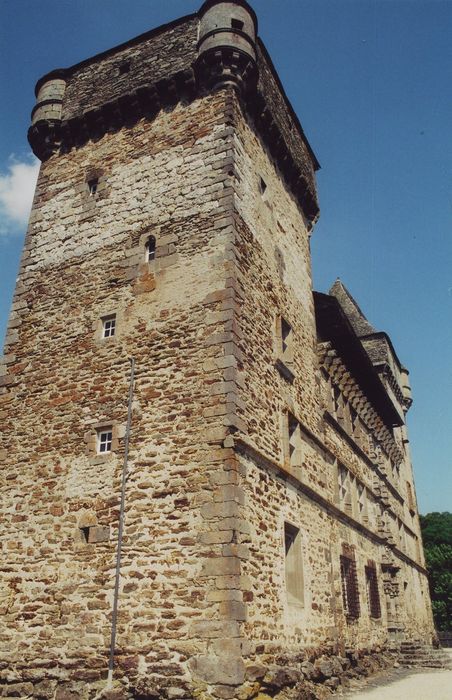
(403, 684)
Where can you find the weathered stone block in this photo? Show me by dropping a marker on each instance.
(217, 596)
(215, 669)
(233, 609)
(221, 566)
(230, 492)
(228, 509)
(216, 537)
(213, 629)
(18, 690)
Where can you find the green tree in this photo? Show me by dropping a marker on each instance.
(437, 536)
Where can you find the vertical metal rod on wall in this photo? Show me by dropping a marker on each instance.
(114, 617)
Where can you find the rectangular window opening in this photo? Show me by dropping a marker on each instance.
(109, 326)
(262, 185)
(349, 582)
(373, 596)
(237, 24)
(124, 68)
(104, 441)
(293, 564)
(150, 245)
(92, 186)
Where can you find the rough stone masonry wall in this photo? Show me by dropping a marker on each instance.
(273, 258)
(84, 259)
(150, 58)
(274, 266)
(410, 608)
(273, 270)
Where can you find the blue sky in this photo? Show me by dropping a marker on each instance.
(370, 81)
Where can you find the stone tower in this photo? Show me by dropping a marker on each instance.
(270, 514)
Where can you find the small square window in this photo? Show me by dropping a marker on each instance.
(109, 326)
(104, 441)
(124, 68)
(92, 186)
(237, 24)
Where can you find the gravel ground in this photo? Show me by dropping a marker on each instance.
(405, 684)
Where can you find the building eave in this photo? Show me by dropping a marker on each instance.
(333, 325)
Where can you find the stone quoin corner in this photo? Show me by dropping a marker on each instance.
(271, 543)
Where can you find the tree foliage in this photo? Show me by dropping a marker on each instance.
(437, 537)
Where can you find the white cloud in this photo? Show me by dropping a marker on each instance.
(17, 187)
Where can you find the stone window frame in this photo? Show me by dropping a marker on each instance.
(144, 265)
(95, 186)
(372, 591)
(362, 502)
(98, 326)
(292, 441)
(344, 492)
(150, 250)
(293, 565)
(91, 440)
(349, 583)
(284, 348)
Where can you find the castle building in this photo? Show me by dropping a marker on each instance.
(269, 507)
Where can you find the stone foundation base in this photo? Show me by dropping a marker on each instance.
(311, 676)
(304, 676)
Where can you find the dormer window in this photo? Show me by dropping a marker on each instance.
(92, 186)
(149, 251)
(237, 24)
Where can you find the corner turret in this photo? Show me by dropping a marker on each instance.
(227, 45)
(46, 116)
